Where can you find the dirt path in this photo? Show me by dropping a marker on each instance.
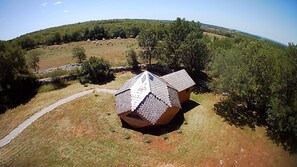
(45, 110)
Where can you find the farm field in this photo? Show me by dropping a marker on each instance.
(87, 132)
(113, 50)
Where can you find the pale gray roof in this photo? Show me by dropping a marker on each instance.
(148, 95)
(180, 80)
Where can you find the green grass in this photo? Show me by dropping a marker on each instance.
(88, 132)
(46, 88)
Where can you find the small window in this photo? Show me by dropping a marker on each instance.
(134, 116)
(151, 77)
(188, 90)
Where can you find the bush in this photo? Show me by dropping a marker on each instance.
(127, 136)
(58, 82)
(78, 52)
(165, 136)
(46, 88)
(132, 59)
(112, 130)
(95, 70)
(147, 140)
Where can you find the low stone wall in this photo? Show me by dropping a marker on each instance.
(69, 67)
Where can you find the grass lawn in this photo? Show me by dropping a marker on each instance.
(87, 132)
(13, 117)
(113, 50)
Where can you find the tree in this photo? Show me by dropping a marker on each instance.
(193, 53)
(183, 46)
(134, 31)
(148, 40)
(282, 113)
(78, 52)
(57, 38)
(262, 85)
(27, 42)
(17, 84)
(95, 70)
(99, 32)
(132, 59)
(33, 59)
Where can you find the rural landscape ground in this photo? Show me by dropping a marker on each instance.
(88, 132)
(113, 50)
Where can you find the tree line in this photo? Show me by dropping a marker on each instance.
(83, 31)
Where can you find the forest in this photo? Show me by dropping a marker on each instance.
(258, 78)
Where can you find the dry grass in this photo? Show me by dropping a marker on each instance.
(113, 50)
(120, 79)
(12, 118)
(212, 35)
(87, 132)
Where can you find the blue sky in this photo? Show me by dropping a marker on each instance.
(274, 19)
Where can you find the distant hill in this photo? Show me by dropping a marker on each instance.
(124, 28)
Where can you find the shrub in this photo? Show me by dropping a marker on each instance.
(132, 59)
(147, 140)
(78, 52)
(165, 136)
(46, 88)
(179, 131)
(58, 82)
(112, 130)
(127, 136)
(95, 70)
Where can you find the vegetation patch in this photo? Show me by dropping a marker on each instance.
(95, 70)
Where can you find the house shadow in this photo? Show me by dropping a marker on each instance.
(173, 125)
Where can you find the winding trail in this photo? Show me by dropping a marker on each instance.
(45, 110)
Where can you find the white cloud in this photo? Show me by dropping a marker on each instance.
(44, 4)
(65, 11)
(57, 3)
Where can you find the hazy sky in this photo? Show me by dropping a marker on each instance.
(274, 19)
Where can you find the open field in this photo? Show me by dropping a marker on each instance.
(113, 50)
(212, 35)
(87, 132)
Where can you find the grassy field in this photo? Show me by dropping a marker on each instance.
(113, 50)
(212, 35)
(87, 132)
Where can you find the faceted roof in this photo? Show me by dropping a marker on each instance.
(180, 80)
(148, 95)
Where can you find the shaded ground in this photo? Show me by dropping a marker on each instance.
(173, 125)
(238, 116)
